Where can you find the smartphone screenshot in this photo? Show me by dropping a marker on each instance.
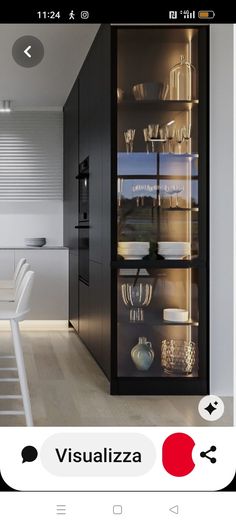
(117, 314)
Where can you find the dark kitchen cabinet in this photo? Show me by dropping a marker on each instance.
(143, 124)
(71, 156)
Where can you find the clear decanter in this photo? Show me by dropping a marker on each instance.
(183, 81)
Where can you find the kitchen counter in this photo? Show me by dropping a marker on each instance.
(43, 248)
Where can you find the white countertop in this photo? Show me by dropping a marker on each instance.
(43, 248)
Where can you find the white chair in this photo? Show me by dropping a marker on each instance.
(10, 294)
(12, 283)
(15, 312)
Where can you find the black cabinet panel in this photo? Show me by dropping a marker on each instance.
(95, 310)
(84, 312)
(71, 162)
(71, 156)
(73, 290)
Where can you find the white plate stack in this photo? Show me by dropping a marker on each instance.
(174, 250)
(133, 250)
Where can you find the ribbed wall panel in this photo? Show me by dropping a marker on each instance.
(31, 155)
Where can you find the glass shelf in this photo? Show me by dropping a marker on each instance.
(164, 323)
(162, 105)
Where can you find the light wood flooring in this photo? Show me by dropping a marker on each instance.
(68, 388)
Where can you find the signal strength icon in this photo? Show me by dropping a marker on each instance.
(188, 14)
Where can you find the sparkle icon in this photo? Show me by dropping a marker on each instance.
(211, 408)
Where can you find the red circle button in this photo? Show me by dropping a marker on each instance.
(177, 454)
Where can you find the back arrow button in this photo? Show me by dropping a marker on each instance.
(174, 509)
(26, 51)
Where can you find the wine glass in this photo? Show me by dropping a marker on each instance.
(153, 134)
(170, 191)
(187, 135)
(146, 138)
(136, 297)
(170, 135)
(163, 137)
(179, 136)
(129, 140)
(120, 183)
(177, 191)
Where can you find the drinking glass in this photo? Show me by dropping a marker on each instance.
(163, 137)
(136, 297)
(146, 138)
(187, 135)
(179, 136)
(153, 134)
(170, 191)
(129, 140)
(170, 135)
(177, 191)
(120, 183)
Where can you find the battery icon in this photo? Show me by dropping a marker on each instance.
(206, 15)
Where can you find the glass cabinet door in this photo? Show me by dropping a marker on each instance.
(160, 260)
(157, 143)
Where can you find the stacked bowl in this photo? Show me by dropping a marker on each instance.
(133, 250)
(174, 250)
(35, 242)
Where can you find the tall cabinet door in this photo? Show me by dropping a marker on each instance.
(71, 162)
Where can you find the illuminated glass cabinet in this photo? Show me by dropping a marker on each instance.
(159, 240)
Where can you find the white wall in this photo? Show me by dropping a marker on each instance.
(221, 208)
(31, 176)
(31, 219)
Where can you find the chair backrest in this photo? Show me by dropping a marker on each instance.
(18, 267)
(25, 288)
(21, 274)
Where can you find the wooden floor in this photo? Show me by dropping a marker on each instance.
(67, 388)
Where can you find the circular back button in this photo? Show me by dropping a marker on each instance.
(28, 51)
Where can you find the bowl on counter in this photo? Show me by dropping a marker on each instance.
(35, 242)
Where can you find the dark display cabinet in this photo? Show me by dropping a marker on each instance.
(161, 244)
(146, 134)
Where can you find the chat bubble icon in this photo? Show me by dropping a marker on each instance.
(29, 454)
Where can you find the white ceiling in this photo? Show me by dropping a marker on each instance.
(49, 83)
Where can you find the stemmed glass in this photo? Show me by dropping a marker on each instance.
(187, 135)
(136, 297)
(146, 138)
(177, 191)
(129, 140)
(170, 135)
(163, 137)
(120, 182)
(170, 191)
(179, 136)
(153, 134)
